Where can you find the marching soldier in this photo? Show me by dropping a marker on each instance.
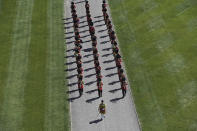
(124, 88)
(100, 88)
(102, 109)
(80, 87)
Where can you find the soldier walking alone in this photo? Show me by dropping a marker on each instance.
(102, 109)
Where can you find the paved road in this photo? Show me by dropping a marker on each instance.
(120, 114)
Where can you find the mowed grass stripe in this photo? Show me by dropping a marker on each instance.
(7, 15)
(12, 107)
(160, 55)
(34, 93)
(56, 114)
(131, 56)
(0, 5)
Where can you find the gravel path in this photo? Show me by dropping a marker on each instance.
(121, 115)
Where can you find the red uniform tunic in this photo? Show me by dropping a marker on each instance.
(92, 29)
(100, 86)
(124, 85)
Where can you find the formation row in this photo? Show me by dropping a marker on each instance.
(95, 50)
(77, 49)
(115, 48)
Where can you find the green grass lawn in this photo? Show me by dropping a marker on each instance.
(32, 86)
(159, 45)
(6, 24)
